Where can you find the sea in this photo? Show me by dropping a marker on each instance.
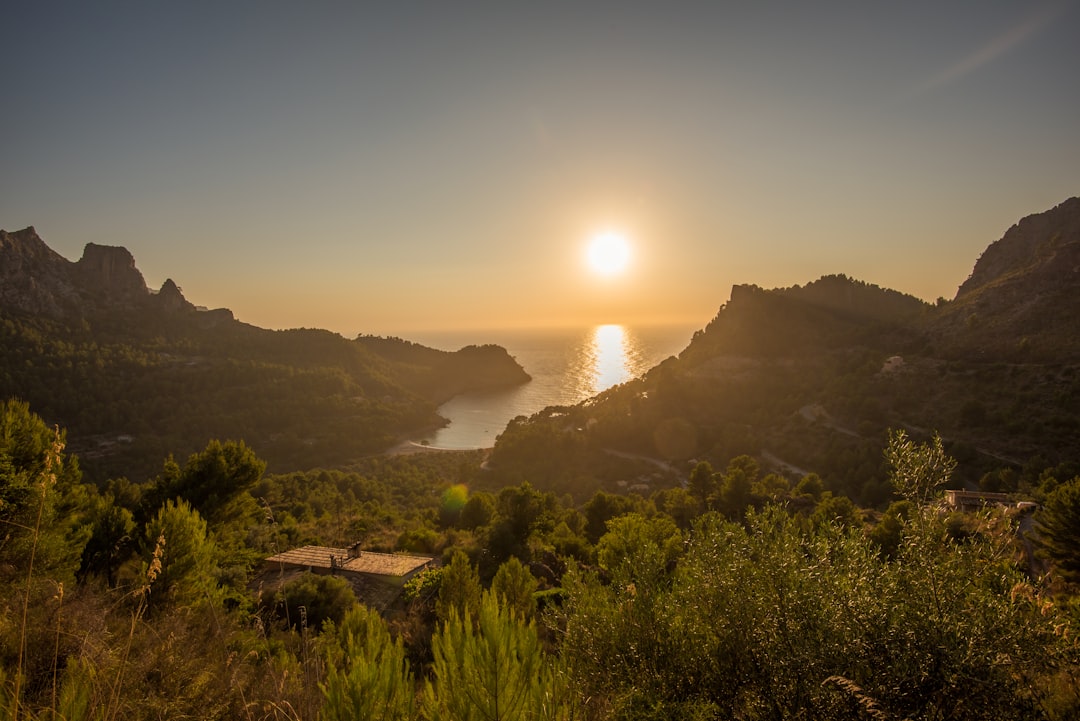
(567, 366)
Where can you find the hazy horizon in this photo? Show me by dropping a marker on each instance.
(392, 170)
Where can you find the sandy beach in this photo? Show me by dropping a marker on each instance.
(409, 447)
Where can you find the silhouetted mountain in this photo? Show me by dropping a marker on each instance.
(37, 280)
(33, 277)
(810, 378)
(834, 310)
(135, 375)
(1022, 300)
(439, 374)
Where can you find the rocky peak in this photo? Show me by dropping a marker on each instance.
(110, 270)
(171, 299)
(744, 293)
(33, 277)
(1022, 300)
(23, 251)
(1042, 251)
(37, 280)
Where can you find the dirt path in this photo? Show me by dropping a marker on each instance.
(662, 465)
(783, 465)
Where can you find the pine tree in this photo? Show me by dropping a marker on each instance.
(515, 585)
(494, 670)
(176, 542)
(372, 681)
(702, 483)
(1059, 529)
(42, 500)
(459, 590)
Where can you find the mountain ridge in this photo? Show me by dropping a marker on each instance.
(995, 369)
(1046, 241)
(813, 377)
(93, 349)
(1023, 291)
(34, 278)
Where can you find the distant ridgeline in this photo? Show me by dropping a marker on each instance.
(135, 375)
(809, 379)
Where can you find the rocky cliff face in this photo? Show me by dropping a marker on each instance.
(110, 271)
(33, 277)
(170, 299)
(1020, 304)
(1040, 253)
(1022, 300)
(36, 280)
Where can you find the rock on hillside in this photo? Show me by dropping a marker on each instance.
(36, 280)
(91, 348)
(1041, 250)
(812, 378)
(1022, 300)
(110, 270)
(33, 277)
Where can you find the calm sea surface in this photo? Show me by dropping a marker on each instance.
(567, 366)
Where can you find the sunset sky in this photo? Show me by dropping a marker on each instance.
(395, 167)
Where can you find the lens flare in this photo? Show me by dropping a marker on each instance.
(454, 497)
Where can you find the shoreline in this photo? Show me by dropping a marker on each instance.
(407, 447)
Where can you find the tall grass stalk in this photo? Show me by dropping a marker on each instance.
(143, 593)
(56, 645)
(48, 479)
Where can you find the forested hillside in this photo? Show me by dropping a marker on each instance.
(810, 379)
(135, 375)
(742, 596)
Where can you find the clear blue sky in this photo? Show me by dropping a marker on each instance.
(391, 167)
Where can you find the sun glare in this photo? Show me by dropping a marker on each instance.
(608, 253)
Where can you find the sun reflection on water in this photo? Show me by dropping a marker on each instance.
(610, 357)
(567, 366)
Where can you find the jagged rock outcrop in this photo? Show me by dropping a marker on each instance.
(1020, 304)
(33, 277)
(304, 397)
(170, 299)
(36, 280)
(215, 317)
(1040, 253)
(110, 271)
(815, 378)
(1022, 300)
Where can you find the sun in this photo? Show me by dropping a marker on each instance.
(608, 253)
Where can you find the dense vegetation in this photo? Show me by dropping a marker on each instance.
(133, 386)
(743, 595)
(810, 379)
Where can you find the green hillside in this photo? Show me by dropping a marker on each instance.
(135, 375)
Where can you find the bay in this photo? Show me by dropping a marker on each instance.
(567, 366)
